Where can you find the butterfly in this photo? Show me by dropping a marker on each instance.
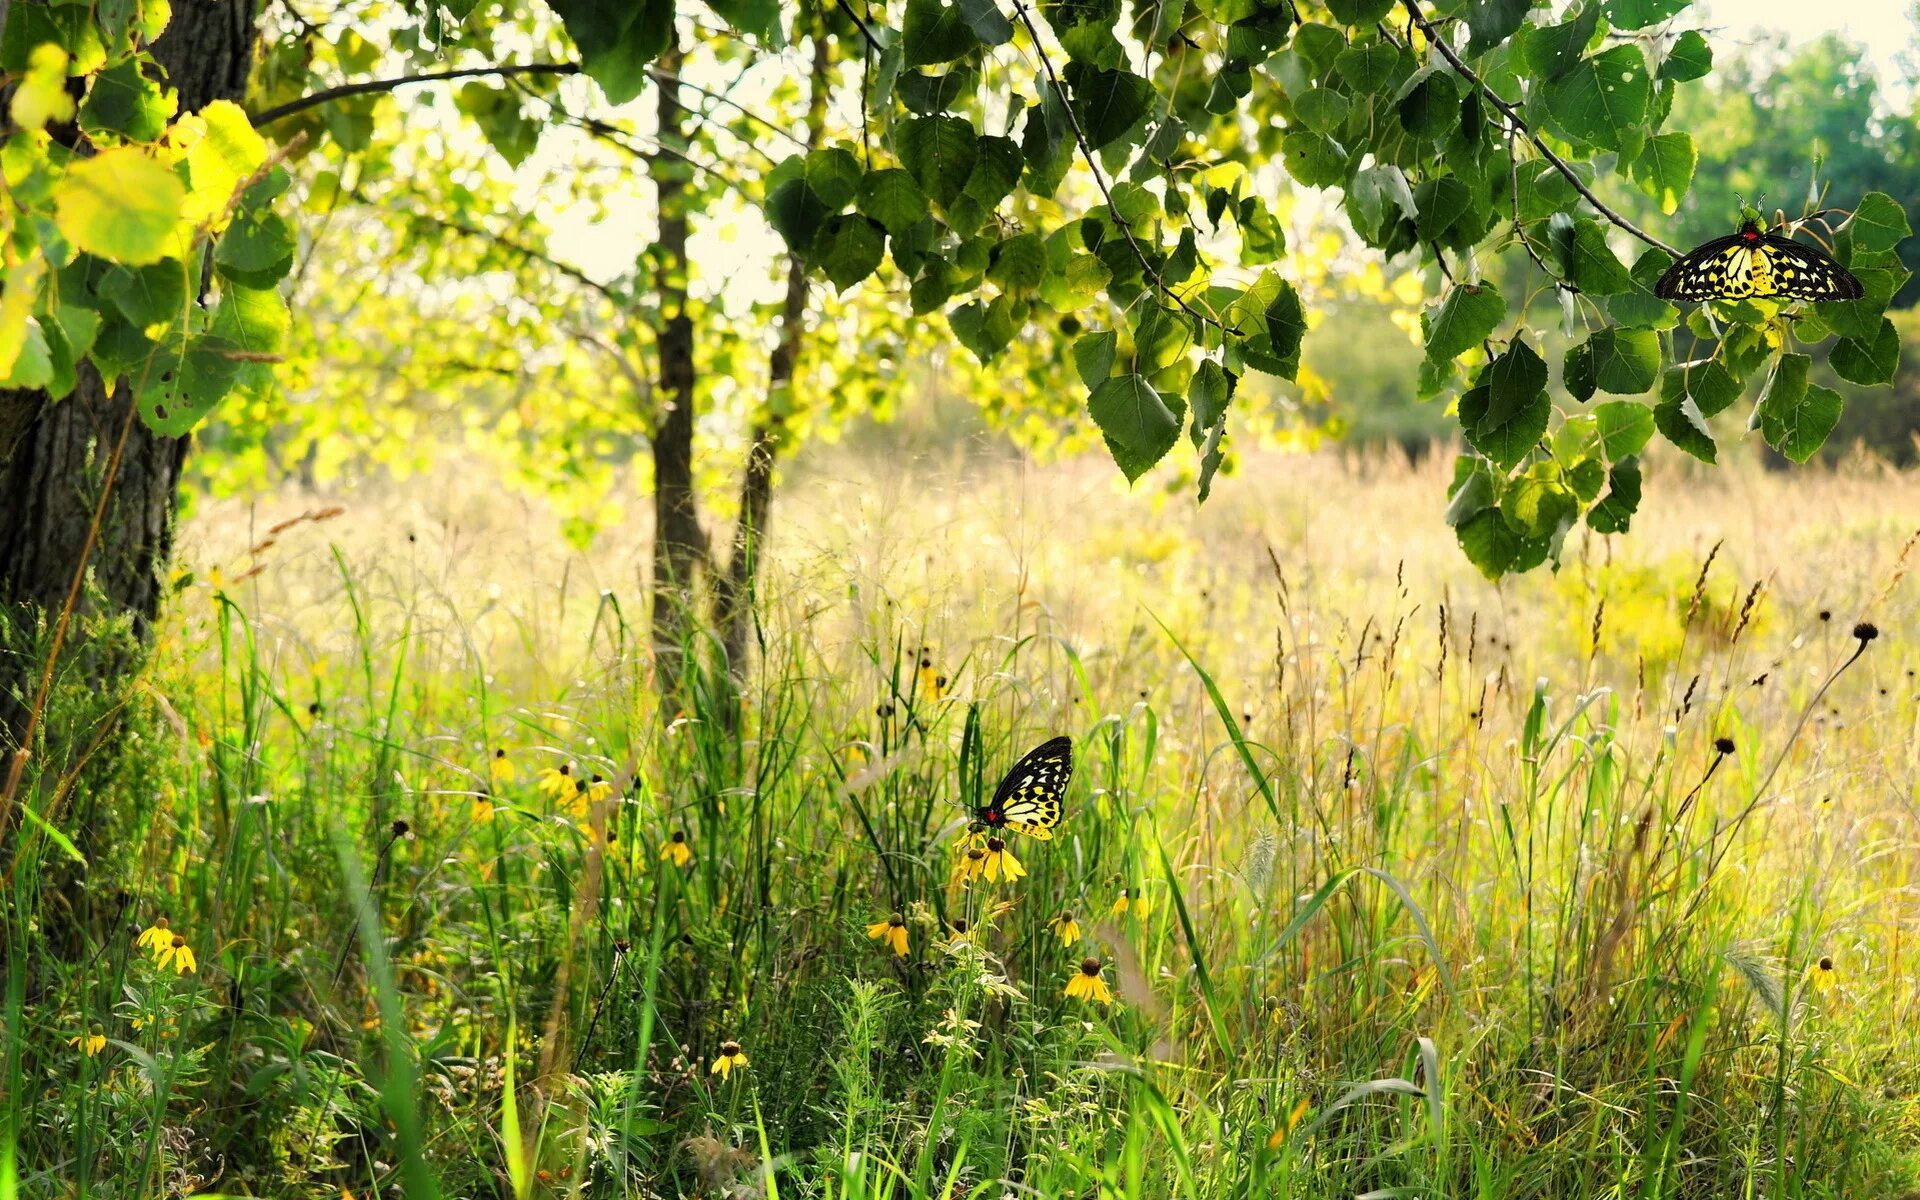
(1758, 264)
(1028, 799)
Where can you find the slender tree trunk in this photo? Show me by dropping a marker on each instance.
(678, 542)
(53, 455)
(734, 588)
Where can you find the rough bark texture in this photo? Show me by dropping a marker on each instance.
(677, 537)
(53, 455)
(733, 589)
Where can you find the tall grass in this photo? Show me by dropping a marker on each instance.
(1432, 889)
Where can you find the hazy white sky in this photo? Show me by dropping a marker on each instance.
(1884, 27)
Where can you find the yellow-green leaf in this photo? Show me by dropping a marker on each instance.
(122, 205)
(42, 94)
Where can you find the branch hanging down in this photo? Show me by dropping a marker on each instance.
(1559, 164)
(366, 86)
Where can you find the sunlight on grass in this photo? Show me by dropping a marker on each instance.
(1596, 884)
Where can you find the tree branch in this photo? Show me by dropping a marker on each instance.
(1559, 164)
(367, 86)
(1100, 178)
(865, 32)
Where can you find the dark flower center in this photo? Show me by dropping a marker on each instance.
(996, 845)
(1090, 966)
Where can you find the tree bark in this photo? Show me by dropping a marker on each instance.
(678, 541)
(734, 588)
(53, 454)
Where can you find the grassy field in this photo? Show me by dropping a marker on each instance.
(1595, 885)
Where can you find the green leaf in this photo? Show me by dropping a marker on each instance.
(1375, 69)
(1868, 362)
(1553, 50)
(124, 102)
(1514, 381)
(983, 327)
(1614, 513)
(1539, 505)
(1139, 424)
(986, 20)
(1577, 372)
(1879, 223)
(1507, 437)
(1019, 263)
(1085, 29)
(122, 205)
(1794, 416)
(1109, 103)
(1680, 422)
(941, 152)
(1093, 355)
(1625, 428)
(1491, 545)
(1603, 100)
(756, 18)
(1313, 159)
(1473, 491)
(849, 249)
(185, 379)
(1493, 21)
(1360, 12)
(1467, 317)
(1592, 265)
(1625, 361)
(617, 40)
(1638, 14)
(890, 196)
(934, 32)
(1690, 58)
(1638, 305)
(834, 175)
(1429, 104)
(1710, 386)
(256, 249)
(1322, 110)
(147, 296)
(32, 367)
(1208, 395)
(496, 110)
(1664, 169)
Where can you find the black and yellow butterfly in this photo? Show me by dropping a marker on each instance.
(1759, 265)
(1028, 799)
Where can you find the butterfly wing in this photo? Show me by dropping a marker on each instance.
(1719, 270)
(1028, 799)
(1800, 271)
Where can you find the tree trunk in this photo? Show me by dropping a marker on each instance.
(678, 541)
(53, 455)
(733, 590)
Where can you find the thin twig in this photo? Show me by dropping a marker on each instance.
(367, 86)
(872, 41)
(1560, 164)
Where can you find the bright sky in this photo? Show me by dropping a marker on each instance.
(1885, 27)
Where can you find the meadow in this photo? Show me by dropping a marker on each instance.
(1375, 880)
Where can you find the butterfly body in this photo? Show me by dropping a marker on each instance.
(1756, 264)
(1028, 799)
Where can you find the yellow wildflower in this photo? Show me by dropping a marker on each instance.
(1823, 975)
(730, 1058)
(1065, 928)
(155, 937)
(176, 954)
(1130, 899)
(973, 860)
(502, 768)
(556, 781)
(598, 789)
(1087, 985)
(676, 851)
(92, 1042)
(1000, 861)
(891, 932)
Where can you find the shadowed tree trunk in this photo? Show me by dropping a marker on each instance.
(678, 542)
(53, 455)
(733, 589)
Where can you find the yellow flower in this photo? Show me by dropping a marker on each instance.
(599, 789)
(1127, 899)
(1120, 904)
(973, 860)
(155, 937)
(891, 932)
(1000, 861)
(1822, 974)
(676, 851)
(1087, 985)
(502, 768)
(932, 684)
(959, 930)
(730, 1058)
(176, 954)
(556, 781)
(92, 1042)
(1065, 928)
